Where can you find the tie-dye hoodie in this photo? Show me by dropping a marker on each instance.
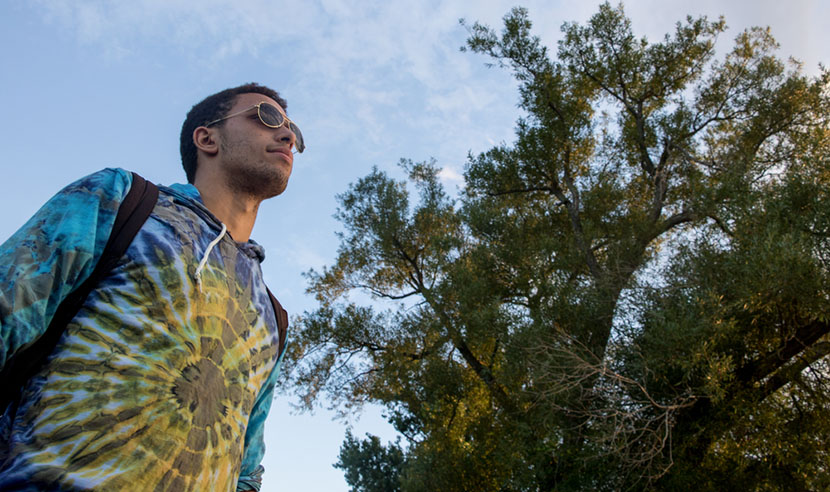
(163, 379)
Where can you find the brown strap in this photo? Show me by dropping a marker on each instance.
(282, 320)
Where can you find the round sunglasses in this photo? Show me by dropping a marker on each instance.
(272, 117)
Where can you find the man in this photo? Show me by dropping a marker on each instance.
(163, 379)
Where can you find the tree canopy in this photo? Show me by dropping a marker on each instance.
(633, 294)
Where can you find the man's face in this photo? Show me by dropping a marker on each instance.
(256, 160)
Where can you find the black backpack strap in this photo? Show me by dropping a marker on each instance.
(26, 362)
(133, 213)
(282, 320)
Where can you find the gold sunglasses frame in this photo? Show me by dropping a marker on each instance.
(286, 121)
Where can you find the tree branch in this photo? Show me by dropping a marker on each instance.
(675, 220)
(380, 293)
(722, 225)
(789, 373)
(804, 338)
(521, 190)
(576, 222)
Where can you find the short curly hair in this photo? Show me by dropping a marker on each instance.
(212, 108)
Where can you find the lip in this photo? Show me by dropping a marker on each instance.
(281, 150)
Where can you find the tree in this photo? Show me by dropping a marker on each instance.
(632, 295)
(370, 466)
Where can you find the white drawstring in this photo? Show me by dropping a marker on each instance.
(205, 257)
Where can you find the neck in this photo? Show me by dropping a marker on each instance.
(238, 212)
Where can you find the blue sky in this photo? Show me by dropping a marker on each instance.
(87, 84)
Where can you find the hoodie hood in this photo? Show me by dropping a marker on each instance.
(189, 196)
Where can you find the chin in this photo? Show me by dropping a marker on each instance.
(264, 182)
(279, 189)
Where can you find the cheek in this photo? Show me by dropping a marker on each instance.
(239, 144)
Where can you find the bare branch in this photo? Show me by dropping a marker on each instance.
(639, 427)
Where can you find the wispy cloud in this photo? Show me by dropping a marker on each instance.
(385, 74)
(387, 65)
(225, 27)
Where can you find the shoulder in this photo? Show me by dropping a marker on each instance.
(90, 202)
(103, 190)
(109, 182)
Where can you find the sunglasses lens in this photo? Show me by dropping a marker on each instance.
(270, 115)
(273, 117)
(299, 143)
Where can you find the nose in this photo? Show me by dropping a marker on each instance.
(284, 135)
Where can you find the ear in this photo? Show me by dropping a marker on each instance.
(205, 140)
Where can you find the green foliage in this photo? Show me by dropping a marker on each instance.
(370, 466)
(633, 295)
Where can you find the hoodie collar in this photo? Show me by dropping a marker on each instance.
(189, 196)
